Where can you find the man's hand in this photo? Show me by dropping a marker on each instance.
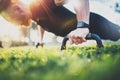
(78, 35)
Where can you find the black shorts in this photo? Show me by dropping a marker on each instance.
(104, 28)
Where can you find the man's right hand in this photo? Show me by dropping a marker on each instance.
(78, 35)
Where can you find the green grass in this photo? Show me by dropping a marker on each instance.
(49, 63)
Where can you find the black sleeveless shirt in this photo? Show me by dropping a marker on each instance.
(56, 19)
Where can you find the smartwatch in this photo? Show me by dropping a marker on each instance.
(82, 25)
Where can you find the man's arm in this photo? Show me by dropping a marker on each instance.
(81, 8)
(41, 35)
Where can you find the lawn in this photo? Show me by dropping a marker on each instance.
(49, 63)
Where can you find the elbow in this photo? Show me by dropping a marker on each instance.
(59, 2)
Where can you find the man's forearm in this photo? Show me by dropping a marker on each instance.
(41, 34)
(82, 10)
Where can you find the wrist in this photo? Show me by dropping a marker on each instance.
(82, 25)
(83, 29)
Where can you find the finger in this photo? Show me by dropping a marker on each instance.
(74, 40)
(71, 40)
(78, 41)
(82, 39)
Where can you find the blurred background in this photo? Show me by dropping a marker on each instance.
(11, 35)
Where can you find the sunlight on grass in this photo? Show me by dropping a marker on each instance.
(49, 63)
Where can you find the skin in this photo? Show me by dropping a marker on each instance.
(21, 14)
(60, 2)
(18, 13)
